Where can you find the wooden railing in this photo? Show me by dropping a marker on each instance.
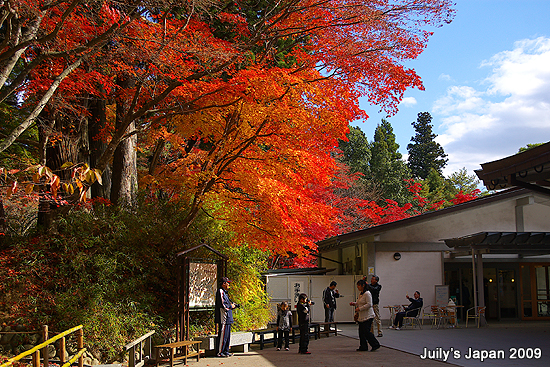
(144, 347)
(44, 346)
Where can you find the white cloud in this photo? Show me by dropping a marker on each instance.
(458, 98)
(463, 159)
(462, 125)
(481, 125)
(445, 77)
(408, 102)
(523, 71)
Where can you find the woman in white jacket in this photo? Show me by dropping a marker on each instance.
(365, 316)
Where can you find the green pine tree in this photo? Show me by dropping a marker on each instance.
(529, 146)
(356, 151)
(436, 188)
(388, 170)
(424, 152)
(462, 181)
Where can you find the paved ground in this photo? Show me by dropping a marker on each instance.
(404, 348)
(525, 337)
(333, 351)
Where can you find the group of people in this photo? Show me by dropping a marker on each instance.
(367, 315)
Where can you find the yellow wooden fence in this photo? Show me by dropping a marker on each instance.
(44, 346)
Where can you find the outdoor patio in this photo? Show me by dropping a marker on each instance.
(404, 347)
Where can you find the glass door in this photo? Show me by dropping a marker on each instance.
(526, 294)
(507, 294)
(535, 291)
(543, 293)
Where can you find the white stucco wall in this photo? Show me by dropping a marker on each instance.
(536, 218)
(493, 217)
(415, 271)
(330, 264)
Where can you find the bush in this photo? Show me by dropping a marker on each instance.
(110, 270)
(113, 272)
(245, 267)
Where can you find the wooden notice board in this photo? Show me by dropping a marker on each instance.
(441, 295)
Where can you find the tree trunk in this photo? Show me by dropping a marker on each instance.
(124, 177)
(68, 147)
(98, 120)
(2, 220)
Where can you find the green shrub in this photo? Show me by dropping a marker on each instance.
(245, 267)
(114, 272)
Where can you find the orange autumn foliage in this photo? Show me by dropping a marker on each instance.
(248, 99)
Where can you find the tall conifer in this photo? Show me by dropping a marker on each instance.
(387, 167)
(424, 152)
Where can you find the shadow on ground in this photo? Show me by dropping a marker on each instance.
(333, 351)
(403, 348)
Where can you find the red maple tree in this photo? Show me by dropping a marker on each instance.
(243, 102)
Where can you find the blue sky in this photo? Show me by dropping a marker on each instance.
(487, 80)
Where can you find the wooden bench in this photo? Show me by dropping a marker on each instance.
(315, 331)
(270, 335)
(183, 353)
(327, 328)
(262, 337)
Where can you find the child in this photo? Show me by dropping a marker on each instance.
(303, 322)
(284, 324)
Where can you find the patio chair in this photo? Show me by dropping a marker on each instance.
(432, 314)
(413, 321)
(476, 313)
(444, 317)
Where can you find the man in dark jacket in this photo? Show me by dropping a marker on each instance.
(410, 311)
(329, 301)
(302, 308)
(374, 288)
(224, 318)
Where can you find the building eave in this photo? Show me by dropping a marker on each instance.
(343, 240)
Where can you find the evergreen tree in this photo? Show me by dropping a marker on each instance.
(462, 181)
(356, 154)
(424, 152)
(443, 192)
(356, 151)
(388, 170)
(437, 189)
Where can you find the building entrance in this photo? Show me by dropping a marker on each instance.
(535, 291)
(500, 290)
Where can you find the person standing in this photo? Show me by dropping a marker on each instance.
(284, 325)
(303, 322)
(374, 289)
(329, 301)
(224, 318)
(365, 317)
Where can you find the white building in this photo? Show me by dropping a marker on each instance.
(507, 233)
(411, 254)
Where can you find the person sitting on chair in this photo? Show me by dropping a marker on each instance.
(410, 311)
